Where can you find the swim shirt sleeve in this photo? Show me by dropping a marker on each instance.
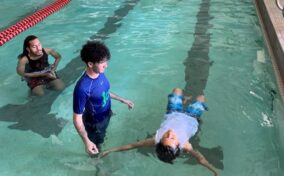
(79, 100)
(157, 137)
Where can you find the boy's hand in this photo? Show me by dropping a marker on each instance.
(129, 103)
(91, 148)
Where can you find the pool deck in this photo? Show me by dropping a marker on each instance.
(272, 23)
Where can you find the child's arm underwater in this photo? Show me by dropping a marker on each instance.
(143, 143)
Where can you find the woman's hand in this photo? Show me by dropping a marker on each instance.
(50, 74)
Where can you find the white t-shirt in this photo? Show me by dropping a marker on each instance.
(182, 124)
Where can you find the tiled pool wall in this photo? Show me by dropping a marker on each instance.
(272, 23)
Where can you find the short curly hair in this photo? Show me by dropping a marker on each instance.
(166, 153)
(95, 52)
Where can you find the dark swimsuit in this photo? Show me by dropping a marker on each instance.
(36, 66)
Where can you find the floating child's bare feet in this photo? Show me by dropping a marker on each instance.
(200, 98)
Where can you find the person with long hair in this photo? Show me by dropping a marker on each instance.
(34, 67)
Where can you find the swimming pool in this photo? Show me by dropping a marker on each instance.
(206, 46)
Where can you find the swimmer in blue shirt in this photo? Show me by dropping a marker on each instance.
(92, 97)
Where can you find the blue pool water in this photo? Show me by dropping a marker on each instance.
(204, 46)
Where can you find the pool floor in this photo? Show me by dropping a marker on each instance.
(208, 47)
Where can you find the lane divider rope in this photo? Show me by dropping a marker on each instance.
(31, 20)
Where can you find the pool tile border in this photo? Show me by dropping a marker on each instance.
(272, 24)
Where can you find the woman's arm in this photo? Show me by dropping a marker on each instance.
(56, 56)
(21, 67)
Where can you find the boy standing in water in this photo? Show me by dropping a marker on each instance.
(92, 98)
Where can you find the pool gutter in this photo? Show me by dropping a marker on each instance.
(272, 24)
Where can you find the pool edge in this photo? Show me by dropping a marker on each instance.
(272, 25)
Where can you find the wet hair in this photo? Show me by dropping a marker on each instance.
(166, 153)
(95, 52)
(26, 45)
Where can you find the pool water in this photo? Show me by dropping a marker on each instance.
(203, 46)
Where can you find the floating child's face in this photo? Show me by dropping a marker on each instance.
(170, 138)
(178, 91)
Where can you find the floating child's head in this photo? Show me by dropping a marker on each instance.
(177, 91)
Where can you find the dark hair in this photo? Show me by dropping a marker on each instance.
(95, 52)
(26, 45)
(166, 153)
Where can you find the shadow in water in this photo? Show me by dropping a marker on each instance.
(34, 115)
(214, 155)
(197, 66)
(198, 62)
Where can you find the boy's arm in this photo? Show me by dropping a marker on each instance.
(143, 143)
(90, 147)
(200, 158)
(129, 103)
